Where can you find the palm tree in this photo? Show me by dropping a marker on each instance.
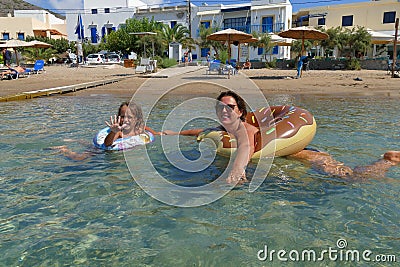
(33, 54)
(204, 43)
(360, 40)
(333, 39)
(178, 34)
(264, 41)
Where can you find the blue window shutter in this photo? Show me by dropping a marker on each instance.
(260, 50)
(93, 35)
(275, 50)
(204, 51)
(114, 29)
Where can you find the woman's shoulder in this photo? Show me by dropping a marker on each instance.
(250, 128)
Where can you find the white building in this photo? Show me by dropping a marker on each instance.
(101, 17)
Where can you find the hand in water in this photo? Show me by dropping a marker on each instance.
(236, 177)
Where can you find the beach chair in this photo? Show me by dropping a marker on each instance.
(39, 66)
(389, 66)
(215, 66)
(228, 69)
(19, 72)
(144, 66)
(9, 74)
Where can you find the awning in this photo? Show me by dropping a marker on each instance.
(208, 12)
(52, 31)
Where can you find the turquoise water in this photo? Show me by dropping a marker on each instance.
(56, 211)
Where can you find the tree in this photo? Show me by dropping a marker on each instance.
(178, 34)
(122, 40)
(359, 40)
(204, 43)
(264, 41)
(333, 40)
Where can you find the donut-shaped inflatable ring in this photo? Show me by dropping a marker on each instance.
(284, 130)
(122, 143)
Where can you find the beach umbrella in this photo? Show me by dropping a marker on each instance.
(230, 36)
(13, 43)
(141, 34)
(39, 44)
(304, 33)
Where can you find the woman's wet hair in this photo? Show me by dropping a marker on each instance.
(137, 113)
(239, 101)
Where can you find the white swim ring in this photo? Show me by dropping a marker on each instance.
(122, 143)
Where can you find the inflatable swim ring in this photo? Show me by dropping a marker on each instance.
(122, 143)
(284, 130)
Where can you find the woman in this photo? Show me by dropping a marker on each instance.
(231, 111)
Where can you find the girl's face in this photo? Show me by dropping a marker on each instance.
(127, 119)
(227, 110)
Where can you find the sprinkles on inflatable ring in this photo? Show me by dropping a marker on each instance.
(284, 130)
(122, 143)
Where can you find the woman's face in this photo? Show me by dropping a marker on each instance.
(227, 110)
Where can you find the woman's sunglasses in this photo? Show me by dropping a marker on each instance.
(228, 107)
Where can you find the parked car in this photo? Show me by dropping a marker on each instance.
(95, 59)
(113, 58)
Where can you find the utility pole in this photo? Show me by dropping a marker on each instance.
(395, 47)
(190, 18)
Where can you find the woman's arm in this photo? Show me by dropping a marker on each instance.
(152, 131)
(245, 137)
(191, 132)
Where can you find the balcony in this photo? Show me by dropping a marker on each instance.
(277, 27)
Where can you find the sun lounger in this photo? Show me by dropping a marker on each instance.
(8, 74)
(15, 73)
(144, 66)
(215, 66)
(38, 67)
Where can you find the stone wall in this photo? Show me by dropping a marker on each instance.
(335, 64)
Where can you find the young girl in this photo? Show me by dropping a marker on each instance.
(129, 122)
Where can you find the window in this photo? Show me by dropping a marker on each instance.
(267, 24)
(321, 21)
(389, 17)
(21, 36)
(94, 11)
(173, 23)
(206, 24)
(347, 20)
(260, 51)
(240, 24)
(107, 10)
(6, 36)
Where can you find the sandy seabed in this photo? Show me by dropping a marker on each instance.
(270, 81)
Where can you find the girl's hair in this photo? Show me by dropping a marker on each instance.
(136, 110)
(239, 101)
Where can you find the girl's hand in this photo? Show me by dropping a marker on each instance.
(115, 124)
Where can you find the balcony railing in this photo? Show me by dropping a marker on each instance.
(277, 27)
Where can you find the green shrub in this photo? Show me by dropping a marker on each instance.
(271, 64)
(168, 62)
(353, 64)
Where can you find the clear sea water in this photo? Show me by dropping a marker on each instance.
(55, 211)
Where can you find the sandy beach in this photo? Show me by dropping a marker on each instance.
(270, 81)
